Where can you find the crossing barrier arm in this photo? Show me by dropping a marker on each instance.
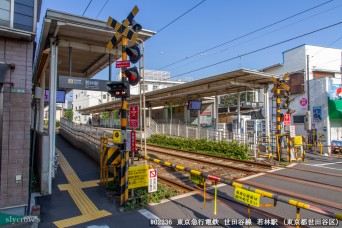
(276, 197)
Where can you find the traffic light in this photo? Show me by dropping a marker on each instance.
(119, 89)
(133, 53)
(133, 76)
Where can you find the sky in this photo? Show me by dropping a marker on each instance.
(191, 39)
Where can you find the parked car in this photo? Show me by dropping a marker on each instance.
(336, 146)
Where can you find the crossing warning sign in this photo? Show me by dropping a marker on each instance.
(116, 136)
(248, 197)
(152, 180)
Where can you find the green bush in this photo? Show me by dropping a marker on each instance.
(232, 149)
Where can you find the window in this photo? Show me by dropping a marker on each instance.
(23, 14)
(146, 88)
(298, 119)
(5, 6)
(155, 87)
(76, 96)
(79, 107)
(76, 108)
(104, 96)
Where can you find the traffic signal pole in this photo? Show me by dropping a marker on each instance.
(124, 154)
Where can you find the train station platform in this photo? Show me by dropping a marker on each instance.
(78, 201)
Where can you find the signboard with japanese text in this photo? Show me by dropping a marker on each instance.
(122, 63)
(287, 119)
(152, 180)
(292, 131)
(133, 136)
(247, 197)
(137, 176)
(67, 82)
(134, 116)
(298, 140)
(197, 179)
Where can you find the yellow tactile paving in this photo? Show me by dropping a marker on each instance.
(85, 184)
(85, 205)
(81, 219)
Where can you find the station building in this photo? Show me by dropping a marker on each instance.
(18, 25)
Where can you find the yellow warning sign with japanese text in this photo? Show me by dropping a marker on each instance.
(247, 197)
(197, 179)
(298, 140)
(117, 136)
(137, 176)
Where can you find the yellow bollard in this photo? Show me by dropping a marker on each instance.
(320, 144)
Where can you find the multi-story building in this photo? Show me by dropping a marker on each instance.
(322, 66)
(84, 99)
(18, 20)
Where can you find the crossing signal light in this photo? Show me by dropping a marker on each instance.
(136, 26)
(133, 53)
(119, 89)
(133, 76)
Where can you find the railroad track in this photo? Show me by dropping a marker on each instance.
(169, 155)
(230, 163)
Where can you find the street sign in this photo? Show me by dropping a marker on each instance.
(134, 116)
(123, 64)
(298, 140)
(117, 136)
(67, 82)
(247, 197)
(137, 176)
(287, 119)
(128, 141)
(132, 139)
(152, 180)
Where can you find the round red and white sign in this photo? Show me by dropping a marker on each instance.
(303, 101)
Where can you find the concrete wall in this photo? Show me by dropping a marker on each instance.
(15, 148)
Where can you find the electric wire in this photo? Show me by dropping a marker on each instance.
(102, 9)
(260, 49)
(87, 7)
(247, 34)
(181, 16)
(262, 35)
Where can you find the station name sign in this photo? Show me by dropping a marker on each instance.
(67, 82)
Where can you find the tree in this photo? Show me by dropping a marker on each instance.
(105, 116)
(231, 99)
(69, 114)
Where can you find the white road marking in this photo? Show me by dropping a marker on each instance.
(325, 164)
(322, 167)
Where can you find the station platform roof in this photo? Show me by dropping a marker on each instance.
(226, 83)
(88, 39)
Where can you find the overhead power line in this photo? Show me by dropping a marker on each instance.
(87, 7)
(247, 34)
(260, 49)
(102, 8)
(180, 16)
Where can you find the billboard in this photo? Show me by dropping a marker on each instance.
(60, 96)
(194, 105)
